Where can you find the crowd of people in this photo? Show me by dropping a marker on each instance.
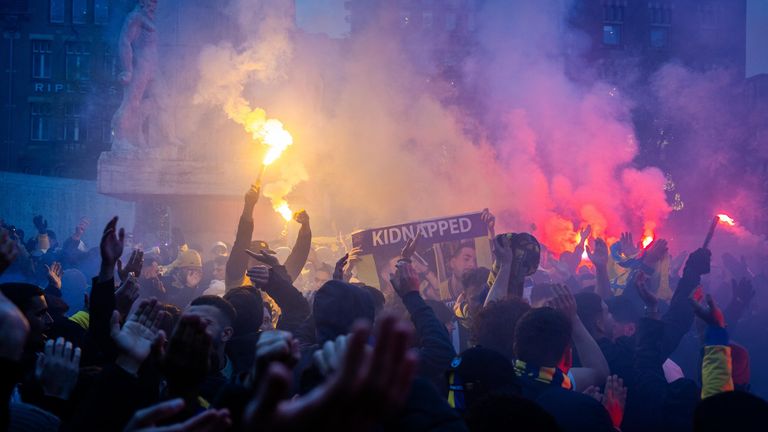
(120, 338)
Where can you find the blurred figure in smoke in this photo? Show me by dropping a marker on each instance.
(182, 284)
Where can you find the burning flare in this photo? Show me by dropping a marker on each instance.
(724, 218)
(275, 137)
(284, 210)
(648, 239)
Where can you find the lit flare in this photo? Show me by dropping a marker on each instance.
(648, 239)
(285, 211)
(275, 137)
(724, 218)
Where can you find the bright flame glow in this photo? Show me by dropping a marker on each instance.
(284, 211)
(726, 219)
(647, 240)
(275, 137)
(585, 255)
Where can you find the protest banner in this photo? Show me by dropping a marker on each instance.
(447, 247)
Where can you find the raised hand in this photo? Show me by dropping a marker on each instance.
(147, 419)
(140, 331)
(585, 233)
(126, 294)
(187, 361)
(259, 276)
(503, 250)
(302, 217)
(54, 275)
(111, 246)
(615, 399)
(276, 346)
(135, 263)
(710, 314)
(640, 282)
(328, 358)
(370, 384)
(41, 224)
(628, 246)
(7, 250)
(563, 301)
(338, 270)
(490, 222)
(264, 257)
(405, 279)
(597, 251)
(410, 247)
(57, 368)
(743, 292)
(698, 263)
(14, 327)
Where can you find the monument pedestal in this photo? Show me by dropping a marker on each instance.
(202, 198)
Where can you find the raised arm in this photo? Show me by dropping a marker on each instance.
(435, 348)
(598, 254)
(237, 263)
(300, 252)
(594, 370)
(717, 365)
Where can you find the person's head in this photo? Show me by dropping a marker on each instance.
(594, 313)
(323, 273)
(542, 336)
(249, 305)
(740, 372)
(337, 305)
(474, 282)
(74, 286)
(626, 314)
(219, 315)
(258, 246)
(494, 326)
(478, 373)
(541, 293)
(219, 249)
(31, 302)
(731, 411)
(220, 267)
(462, 260)
(189, 267)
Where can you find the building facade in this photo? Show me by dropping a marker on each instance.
(60, 70)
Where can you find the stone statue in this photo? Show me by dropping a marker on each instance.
(137, 49)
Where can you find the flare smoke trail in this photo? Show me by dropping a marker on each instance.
(380, 147)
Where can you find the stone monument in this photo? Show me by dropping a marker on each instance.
(147, 164)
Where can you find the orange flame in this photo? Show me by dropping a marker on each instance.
(284, 211)
(648, 239)
(724, 218)
(275, 137)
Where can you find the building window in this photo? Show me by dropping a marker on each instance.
(659, 37)
(450, 21)
(80, 11)
(41, 58)
(101, 11)
(613, 19)
(74, 124)
(57, 11)
(426, 20)
(40, 121)
(78, 61)
(612, 34)
(660, 21)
